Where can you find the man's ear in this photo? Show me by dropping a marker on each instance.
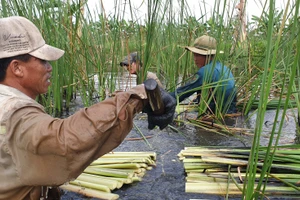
(16, 68)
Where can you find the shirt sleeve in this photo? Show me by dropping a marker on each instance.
(51, 151)
(190, 88)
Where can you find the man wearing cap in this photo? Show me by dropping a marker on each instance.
(39, 152)
(214, 73)
(133, 64)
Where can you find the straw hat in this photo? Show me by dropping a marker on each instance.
(204, 45)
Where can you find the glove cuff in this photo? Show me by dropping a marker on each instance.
(138, 92)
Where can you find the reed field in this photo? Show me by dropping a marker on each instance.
(263, 55)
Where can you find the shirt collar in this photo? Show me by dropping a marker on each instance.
(11, 91)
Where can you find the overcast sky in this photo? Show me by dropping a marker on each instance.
(254, 7)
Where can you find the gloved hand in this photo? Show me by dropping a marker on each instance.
(164, 119)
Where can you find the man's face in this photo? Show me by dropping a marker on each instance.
(200, 60)
(132, 68)
(37, 74)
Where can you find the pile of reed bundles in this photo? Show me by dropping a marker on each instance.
(111, 172)
(221, 170)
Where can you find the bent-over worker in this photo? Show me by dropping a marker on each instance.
(210, 72)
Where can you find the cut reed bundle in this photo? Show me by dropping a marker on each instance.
(222, 170)
(111, 172)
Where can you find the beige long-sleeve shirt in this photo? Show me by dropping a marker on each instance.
(39, 150)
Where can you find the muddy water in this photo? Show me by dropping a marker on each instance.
(167, 180)
(288, 132)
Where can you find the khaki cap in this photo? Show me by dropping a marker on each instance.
(20, 36)
(204, 45)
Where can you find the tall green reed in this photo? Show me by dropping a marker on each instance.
(264, 65)
(274, 47)
(163, 35)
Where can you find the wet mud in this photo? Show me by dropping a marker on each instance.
(167, 180)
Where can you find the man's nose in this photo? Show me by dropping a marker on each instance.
(49, 67)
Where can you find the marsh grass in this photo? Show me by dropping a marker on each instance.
(265, 65)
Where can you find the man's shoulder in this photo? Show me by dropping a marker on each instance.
(151, 74)
(14, 99)
(219, 64)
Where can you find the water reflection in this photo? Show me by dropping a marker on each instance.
(289, 126)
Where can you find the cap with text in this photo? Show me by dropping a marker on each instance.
(20, 36)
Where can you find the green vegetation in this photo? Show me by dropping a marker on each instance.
(265, 61)
(221, 170)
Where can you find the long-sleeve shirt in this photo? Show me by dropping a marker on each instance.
(39, 150)
(218, 76)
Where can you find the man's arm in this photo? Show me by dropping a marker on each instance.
(40, 144)
(184, 91)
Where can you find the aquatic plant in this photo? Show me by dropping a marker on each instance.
(265, 62)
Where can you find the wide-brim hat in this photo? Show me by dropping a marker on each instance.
(204, 45)
(20, 36)
(131, 58)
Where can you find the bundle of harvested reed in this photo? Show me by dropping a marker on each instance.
(111, 172)
(221, 170)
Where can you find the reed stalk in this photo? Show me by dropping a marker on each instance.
(110, 183)
(94, 186)
(90, 192)
(108, 172)
(222, 188)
